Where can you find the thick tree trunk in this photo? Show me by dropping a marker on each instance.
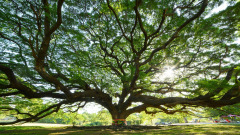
(118, 119)
(185, 119)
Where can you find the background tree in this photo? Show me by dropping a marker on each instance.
(223, 111)
(84, 119)
(124, 55)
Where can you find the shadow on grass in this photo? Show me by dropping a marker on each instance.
(173, 130)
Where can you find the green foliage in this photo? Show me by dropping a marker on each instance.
(104, 51)
(223, 111)
(84, 119)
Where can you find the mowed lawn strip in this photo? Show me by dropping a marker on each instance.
(210, 129)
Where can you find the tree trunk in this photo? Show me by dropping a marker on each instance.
(118, 119)
(185, 119)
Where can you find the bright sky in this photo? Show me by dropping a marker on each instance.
(220, 8)
(91, 108)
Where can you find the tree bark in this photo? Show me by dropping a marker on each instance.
(119, 119)
(185, 119)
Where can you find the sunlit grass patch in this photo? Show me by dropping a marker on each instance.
(211, 129)
(19, 127)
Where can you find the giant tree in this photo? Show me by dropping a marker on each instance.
(126, 55)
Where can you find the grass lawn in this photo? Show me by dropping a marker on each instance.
(210, 129)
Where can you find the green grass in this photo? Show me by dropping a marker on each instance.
(3, 128)
(211, 129)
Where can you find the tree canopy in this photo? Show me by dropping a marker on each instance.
(127, 55)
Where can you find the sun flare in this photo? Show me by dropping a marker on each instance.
(168, 73)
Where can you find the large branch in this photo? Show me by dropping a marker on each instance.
(8, 94)
(21, 55)
(150, 101)
(26, 91)
(136, 109)
(138, 2)
(131, 34)
(160, 25)
(14, 83)
(118, 21)
(220, 88)
(204, 5)
(31, 117)
(49, 30)
(111, 55)
(59, 17)
(40, 65)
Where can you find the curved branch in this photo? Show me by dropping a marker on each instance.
(138, 2)
(9, 94)
(204, 5)
(18, 111)
(118, 21)
(218, 89)
(41, 114)
(160, 25)
(59, 17)
(49, 31)
(26, 91)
